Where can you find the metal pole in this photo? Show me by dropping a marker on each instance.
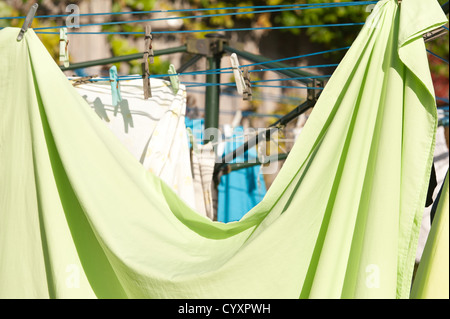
(189, 63)
(237, 166)
(229, 157)
(212, 95)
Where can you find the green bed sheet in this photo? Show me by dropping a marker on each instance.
(81, 218)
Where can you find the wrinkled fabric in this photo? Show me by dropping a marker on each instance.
(80, 216)
(432, 277)
(152, 130)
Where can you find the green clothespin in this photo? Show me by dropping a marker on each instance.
(174, 80)
(115, 86)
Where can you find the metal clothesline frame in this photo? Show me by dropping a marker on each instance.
(213, 48)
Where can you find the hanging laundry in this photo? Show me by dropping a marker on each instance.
(241, 190)
(440, 163)
(238, 191)
(152, 130)
(81, 217)
(203, 160)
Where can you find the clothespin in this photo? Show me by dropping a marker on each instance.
(312, 93)
(240, 83)
(148, 55)
(115, 86)
(27, 22)
(174, 80)
(82, 80)
(63, 47)
(248, 86)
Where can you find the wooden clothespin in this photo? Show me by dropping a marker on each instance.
(148, 56)
(82, 80)
(174, 80)
(313, 91)
(63, 47)
(115, 86)
(27, 22)
(248, 85)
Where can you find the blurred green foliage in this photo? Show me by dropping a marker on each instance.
(329, 38)
(333, 37)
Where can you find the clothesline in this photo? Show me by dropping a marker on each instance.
(258, 81)
(244, 113)
(437, 56)
(291, 6)
(260, 63)
(296, 100)
(216, 71)
(263, 96)
(227, 70)
(297, 57)
(207, 30)
(183, 18)
(442, 99)
(197, 84)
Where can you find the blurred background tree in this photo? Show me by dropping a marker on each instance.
(292, 40)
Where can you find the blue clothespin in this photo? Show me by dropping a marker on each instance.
(174, 80)
(63, 47)
(115, 86)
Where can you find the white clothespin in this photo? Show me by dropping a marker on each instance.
(174, 80)
(238, 77)
(63, 47)
(27, 22)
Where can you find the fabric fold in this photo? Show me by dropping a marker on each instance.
(80, 217)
